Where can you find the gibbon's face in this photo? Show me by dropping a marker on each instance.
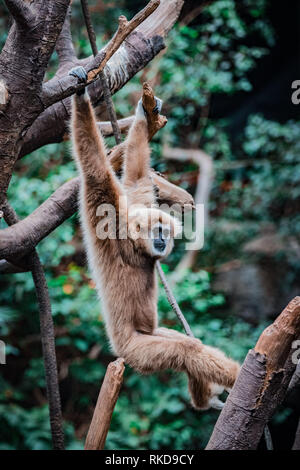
(153, 231)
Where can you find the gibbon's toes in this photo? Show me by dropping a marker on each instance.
(216, 403)
(157, 108)
(79, 73)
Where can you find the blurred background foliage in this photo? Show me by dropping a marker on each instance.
(225, 80)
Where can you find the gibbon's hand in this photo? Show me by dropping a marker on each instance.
(81, 75)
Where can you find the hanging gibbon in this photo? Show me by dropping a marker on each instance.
(123, 268)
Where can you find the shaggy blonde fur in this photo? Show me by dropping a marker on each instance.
(124, 269)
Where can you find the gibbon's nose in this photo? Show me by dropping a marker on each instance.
(159, 244)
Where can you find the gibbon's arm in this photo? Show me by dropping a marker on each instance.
(90, 147)
(137, 150)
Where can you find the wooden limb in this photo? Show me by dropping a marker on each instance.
(62, 87)
(106, 402)
(253, 399)
(22, 12)
(27, 233)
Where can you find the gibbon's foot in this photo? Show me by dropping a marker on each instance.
(158, 106)
(81, 75)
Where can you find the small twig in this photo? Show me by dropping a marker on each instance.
(105, 88)
(173, 301)
(106, 402)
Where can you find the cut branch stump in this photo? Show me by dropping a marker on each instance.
(106, 402)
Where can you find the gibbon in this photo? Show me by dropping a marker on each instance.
(124, 268)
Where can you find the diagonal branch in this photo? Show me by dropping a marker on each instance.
(253, 401)
(61, 88)
(22, 12)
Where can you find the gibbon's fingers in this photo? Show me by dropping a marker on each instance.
(81, 75)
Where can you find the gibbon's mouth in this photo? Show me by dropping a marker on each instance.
(159, 245)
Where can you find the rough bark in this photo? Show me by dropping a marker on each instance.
(253, 399)
(23, 62)
(106, 402)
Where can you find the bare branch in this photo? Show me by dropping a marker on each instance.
(22, 12)
(27, 233)
(252, 401)
(104, 408)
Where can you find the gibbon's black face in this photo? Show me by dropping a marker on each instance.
(161, 237)
(153, 231)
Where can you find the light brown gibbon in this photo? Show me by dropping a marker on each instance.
(124, 268)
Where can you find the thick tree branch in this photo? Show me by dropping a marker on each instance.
(252, 401)
(22, 12)
(27, 233)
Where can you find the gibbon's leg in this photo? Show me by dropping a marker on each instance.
(89, 145)
(204, 394)
(204, 365)
(137, 150)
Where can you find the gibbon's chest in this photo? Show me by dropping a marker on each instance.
(127, 288)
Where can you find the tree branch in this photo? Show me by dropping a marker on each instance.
(21, 12)
(252, 401)
(104, 408)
